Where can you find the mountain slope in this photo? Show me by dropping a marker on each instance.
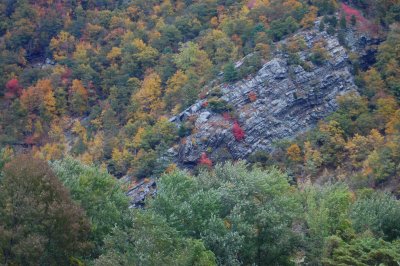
(288, 95)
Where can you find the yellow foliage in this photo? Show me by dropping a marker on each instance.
(7, 153)
(114, 54)
(62, 45)
(358, 148)
(80, 54)
(312, 157)
(227, 224)
(56, 133)
(171, 168)
(148, 97)
(309, 19)
(376, 138)
(393, 126)
(174, 92)
(80, 130)
(214, 22)
(292, 4)
(51, 151)
(373, 81)
(78, 96)
(263, 49)
(294, 153)
(86, 158)
(118, 155)
(244, 11)
(137, 140)
(95, 147)
(260, 3)
(40, 95)
(386, 108)
(77, 88)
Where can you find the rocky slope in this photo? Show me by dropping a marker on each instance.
(281, 100)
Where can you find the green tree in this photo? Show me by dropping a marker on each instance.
(191, 59)
(149, 240)
(326, 213)
(230, 72)
(218, 47)
(364, 250)
(280, 28)
(97, 192)
(378, 213)
(242, 216)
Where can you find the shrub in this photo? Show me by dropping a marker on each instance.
(238, 132)
(280, 28)
(216, 92)
(219, 106)
(252, 96)
(251, 64)
(319, 54)
(230, 73)
(205, 161)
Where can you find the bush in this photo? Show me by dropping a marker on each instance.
(219, 106)
(238, 132)
(280, 28)
(230, 73)
(319, 54)
(250, 65)
(205, 161)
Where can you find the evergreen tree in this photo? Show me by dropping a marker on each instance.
(230, 72)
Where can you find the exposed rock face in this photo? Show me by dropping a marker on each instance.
(141, 191)
(289, 100)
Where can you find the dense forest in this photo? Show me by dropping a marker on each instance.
(87, 88)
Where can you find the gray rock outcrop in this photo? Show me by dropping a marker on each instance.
(287, 99)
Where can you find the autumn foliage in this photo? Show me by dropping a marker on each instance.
(294, 153)
(237, 131)
(362, 23)
(13, 88)
(252, 96)
(42, 223)
(205, 161)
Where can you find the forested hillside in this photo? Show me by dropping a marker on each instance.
(97, 96)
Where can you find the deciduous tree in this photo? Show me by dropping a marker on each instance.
(39, 223)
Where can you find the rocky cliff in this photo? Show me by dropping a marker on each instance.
(285, 97)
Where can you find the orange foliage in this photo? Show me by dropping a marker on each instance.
(252, 96)
(39, 97)
(294, 153)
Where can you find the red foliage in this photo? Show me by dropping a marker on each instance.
(251, 4)
(13, 88)
(227, 116)
(204, 160)
(362, 23)
(252, 96)
(237, 131)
